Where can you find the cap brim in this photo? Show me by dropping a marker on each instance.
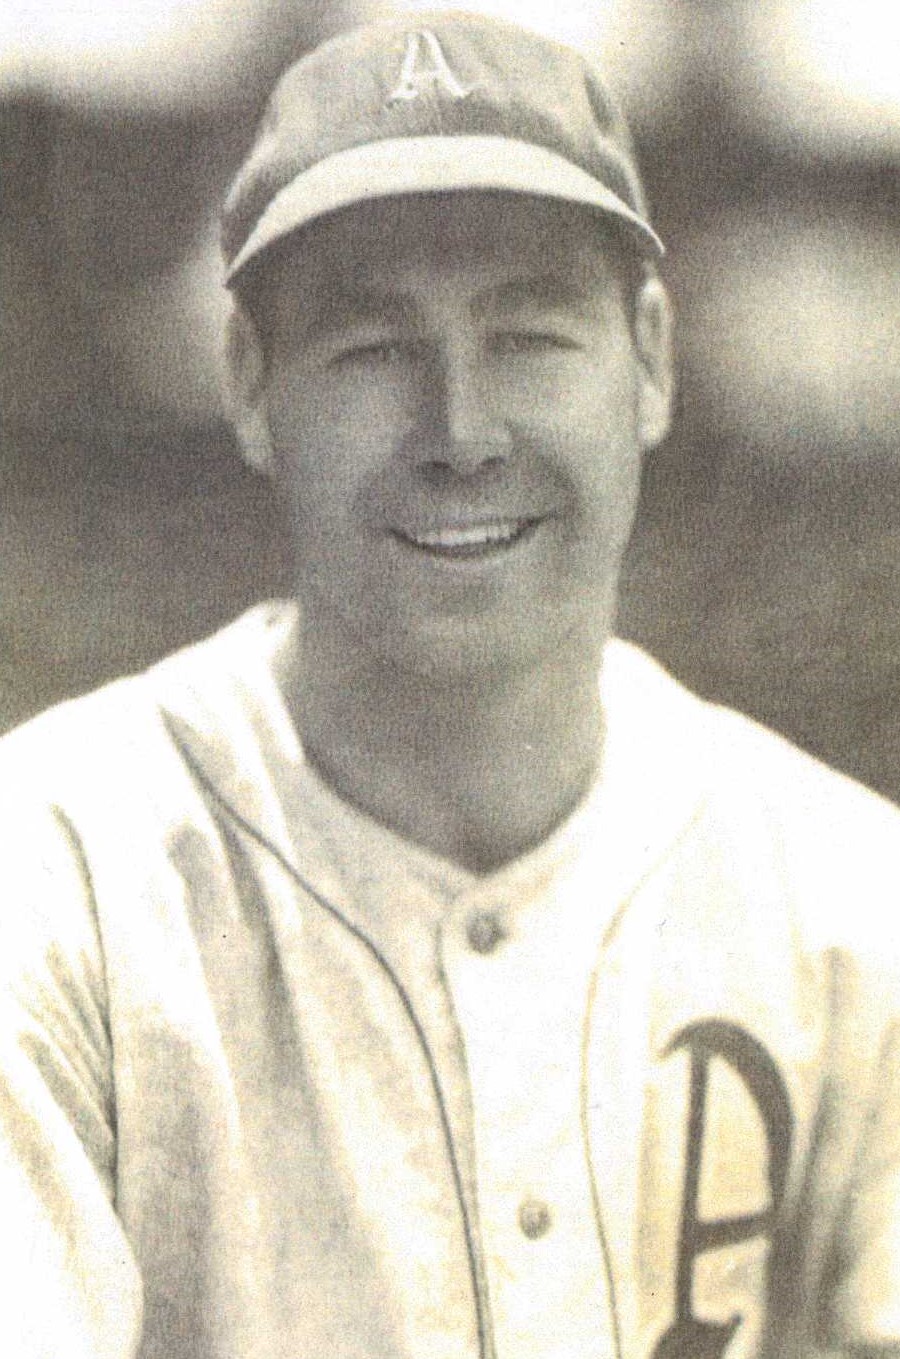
(411, 165)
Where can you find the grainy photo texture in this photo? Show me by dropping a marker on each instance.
(448, 681)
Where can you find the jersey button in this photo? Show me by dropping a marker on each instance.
(484, 931)
(534, 1219)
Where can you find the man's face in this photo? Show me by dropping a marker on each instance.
(452, 390)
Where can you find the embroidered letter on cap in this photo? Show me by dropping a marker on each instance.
(418, 76)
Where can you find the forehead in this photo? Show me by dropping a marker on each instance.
(471, 241)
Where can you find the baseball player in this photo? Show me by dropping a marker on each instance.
(411, 969)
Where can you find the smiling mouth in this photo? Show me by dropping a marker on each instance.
(474, 540)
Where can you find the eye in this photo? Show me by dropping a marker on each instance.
(524, 342)
(372, 352)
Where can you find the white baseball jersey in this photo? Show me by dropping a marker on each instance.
(273, 1083)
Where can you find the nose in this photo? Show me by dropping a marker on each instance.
(470, 429)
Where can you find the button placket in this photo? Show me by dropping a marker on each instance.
(519, 1000)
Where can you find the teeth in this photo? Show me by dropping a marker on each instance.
(477, 536)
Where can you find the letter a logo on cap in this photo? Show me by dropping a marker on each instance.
(424, 68)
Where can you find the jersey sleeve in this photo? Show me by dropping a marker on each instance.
(70, 1286)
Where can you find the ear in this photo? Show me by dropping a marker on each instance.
(245, 389)
(653, 343)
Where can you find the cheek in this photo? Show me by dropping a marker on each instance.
(568, 391)
(330, 433)
(591, 423)
(345, 403)
(322, 448)
(607, 483)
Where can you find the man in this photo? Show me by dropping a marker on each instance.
(377, 982)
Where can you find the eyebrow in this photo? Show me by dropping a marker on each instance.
(544, 290)
(364, 304)
(350, 304)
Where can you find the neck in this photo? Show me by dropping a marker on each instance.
(478, 770)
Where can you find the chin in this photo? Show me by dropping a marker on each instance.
(455, 651)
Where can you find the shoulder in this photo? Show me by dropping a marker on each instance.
(100, 785)
(773, 813)
(732, 758)
(120, 734)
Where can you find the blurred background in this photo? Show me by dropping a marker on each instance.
(766, 566)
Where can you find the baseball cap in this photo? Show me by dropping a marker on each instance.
(432, 103)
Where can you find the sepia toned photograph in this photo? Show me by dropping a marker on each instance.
(450, 680)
